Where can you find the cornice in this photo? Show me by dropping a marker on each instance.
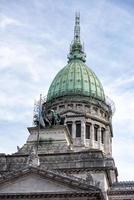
(97, 194)
(121, 192)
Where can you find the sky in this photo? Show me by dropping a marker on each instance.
(34, 42)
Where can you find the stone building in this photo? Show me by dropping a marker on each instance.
(68, 154)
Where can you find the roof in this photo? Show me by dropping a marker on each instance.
(76, 79)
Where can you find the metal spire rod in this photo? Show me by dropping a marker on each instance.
(77, 27)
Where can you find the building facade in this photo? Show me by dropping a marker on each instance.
(68, 154)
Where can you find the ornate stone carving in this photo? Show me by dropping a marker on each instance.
(89, 178)
(33, 158)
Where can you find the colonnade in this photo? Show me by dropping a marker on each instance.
(97, 138)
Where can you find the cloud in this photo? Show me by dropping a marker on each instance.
(123, 125)
(10, 58)
(6, 21)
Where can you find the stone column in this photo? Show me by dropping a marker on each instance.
(65, 106)
(99, 138)
(83, 132)
(108, 141)
(73, 130)
(92, 136)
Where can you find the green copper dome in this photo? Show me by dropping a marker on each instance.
(76, 78)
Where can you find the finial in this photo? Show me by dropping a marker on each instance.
(77, 27)
(76, 48)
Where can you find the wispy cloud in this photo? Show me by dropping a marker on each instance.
(6, 21)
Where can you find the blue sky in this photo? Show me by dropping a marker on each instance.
(34, 42)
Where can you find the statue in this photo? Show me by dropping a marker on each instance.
(56, 118)
(44, 119)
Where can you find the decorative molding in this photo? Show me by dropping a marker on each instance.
(92, 195)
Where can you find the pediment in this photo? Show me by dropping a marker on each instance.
(31, 182)
(37, 180)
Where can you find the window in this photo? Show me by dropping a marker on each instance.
(88, 130)
(61, 107)
(55, 108)
(102, 135)
(78, 105)
(78, 129)
(69, 125)
(96, 132)
(70, 105)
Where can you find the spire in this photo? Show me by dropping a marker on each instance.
(76, 48)
(77, 28)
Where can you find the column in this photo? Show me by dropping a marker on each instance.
(73, 130)
(99, 138)
(83, 132)
(108, 141)
(92, 136)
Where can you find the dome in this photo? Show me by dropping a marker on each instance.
(76, 78)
